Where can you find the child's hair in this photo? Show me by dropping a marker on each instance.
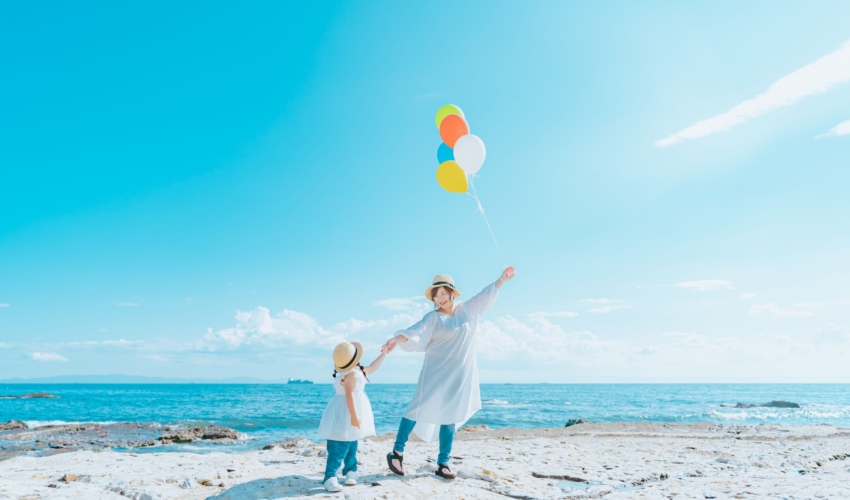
(361, 369)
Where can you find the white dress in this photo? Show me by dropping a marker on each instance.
(447, 391)
(336, 421)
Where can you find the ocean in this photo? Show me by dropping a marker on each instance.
(270, 412)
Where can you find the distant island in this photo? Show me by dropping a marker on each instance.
(298, 381)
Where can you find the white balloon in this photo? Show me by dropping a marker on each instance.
(469, 153)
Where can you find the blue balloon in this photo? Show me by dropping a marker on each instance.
(444, 153)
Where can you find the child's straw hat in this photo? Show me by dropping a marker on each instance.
(347, 355)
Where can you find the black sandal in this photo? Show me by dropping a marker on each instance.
(395, 456)
(445, 472)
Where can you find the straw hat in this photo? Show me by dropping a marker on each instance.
(347, 355)
(442, 280)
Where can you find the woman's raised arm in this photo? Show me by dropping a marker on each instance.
(479, 304)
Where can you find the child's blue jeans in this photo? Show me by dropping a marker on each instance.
(447, 437)
(339, 452)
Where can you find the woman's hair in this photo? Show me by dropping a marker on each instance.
(361, 369)
(437, 289)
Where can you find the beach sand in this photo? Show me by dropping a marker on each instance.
(611, 461)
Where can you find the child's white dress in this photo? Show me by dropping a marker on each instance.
(336, 421)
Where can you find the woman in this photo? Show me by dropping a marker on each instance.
(447, 393)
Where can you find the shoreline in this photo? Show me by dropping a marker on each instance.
(592, 460)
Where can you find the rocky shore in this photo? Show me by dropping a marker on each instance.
(591, 460)
(16, 438)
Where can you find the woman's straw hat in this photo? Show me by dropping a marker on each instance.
(442, 280)
(347, 355)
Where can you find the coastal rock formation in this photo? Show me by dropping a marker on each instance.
(772, 404)
(34, 395)
(290, 444)
(12, 425)
(576, 421)
(196, 433)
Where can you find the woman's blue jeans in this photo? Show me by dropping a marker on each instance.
(339, 452)
(447, 437)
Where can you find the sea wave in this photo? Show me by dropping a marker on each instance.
(495, 402)
(35, 424)
(805, 413)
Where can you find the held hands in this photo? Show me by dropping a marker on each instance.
(390, 345)
(385, 348)
(355, 422)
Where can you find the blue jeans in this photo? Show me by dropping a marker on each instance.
(339, 452)
(447, 438)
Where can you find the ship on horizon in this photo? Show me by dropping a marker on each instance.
(298, 381)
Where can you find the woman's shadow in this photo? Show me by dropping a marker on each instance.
(293, 486)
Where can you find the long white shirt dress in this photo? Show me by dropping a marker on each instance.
(336, 421)
(447, 392)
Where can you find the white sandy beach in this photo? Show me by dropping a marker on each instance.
(626, 460)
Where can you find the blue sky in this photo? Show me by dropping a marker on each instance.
(212, 190)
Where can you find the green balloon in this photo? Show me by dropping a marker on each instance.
(448, 109)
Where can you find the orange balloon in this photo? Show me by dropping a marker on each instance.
(453, 128)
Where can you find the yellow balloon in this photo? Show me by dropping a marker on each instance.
(451, 177)
(448, 109)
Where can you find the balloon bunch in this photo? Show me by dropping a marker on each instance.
(461, 154)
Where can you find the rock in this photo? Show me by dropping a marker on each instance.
(576, 421)
(195, 433)
(475, 428)
(216, 432)
(68, 478)
(181, 436)
(772, 404)
(34, 395)
(187, 484)
(13, 425)
(289, 444)
(781, 404)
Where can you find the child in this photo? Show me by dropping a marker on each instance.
(348, 416)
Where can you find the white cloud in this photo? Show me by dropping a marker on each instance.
(3, 304)
(706, 285)
(47, 356)
(4, 345)
(558, 314)
(747, 296)
(102, 343)
(398, 304)
(127, 304)
(541, 339)
(815, 78)
(776, 312)
(606, 305)
(842, 128)
(831, 334)
(157, 357)
(259, 327)
(807, 305)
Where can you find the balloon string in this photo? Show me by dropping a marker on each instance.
(480, 209)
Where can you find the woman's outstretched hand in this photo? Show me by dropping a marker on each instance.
(507, 275)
